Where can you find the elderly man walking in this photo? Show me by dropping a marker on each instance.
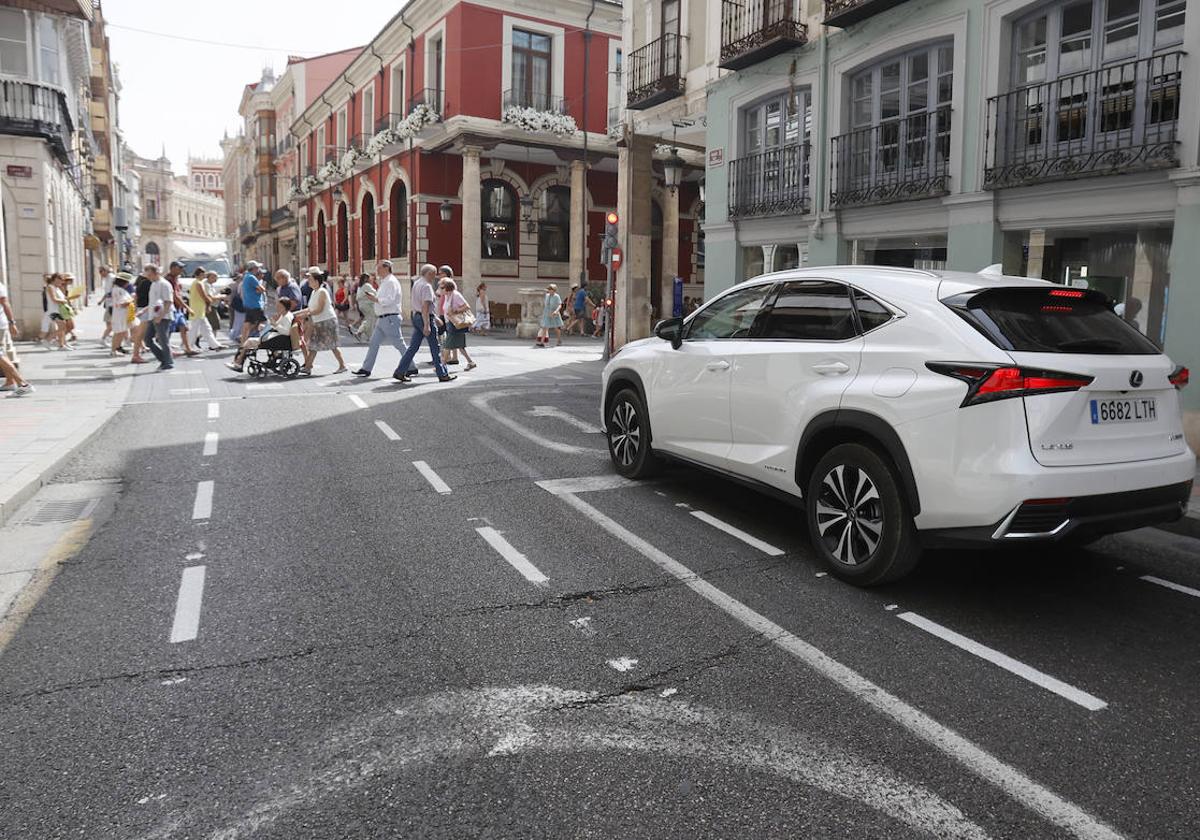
(388, 303)
(424, 328)
(162, 315)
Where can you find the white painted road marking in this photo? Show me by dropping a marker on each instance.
(558, 414)
(584, 626)
(183, 392)
(358, 401)
(1178, 587)
(387, 430)
(433, 478)
(202, 507)
(264, 386)
(622, 664)
(1075, 695)
(210, 444)
(587, 484)
(1007, 778)
(484, 403)
(187, 606)
(764, 547)
(515, 558)
(214, 410)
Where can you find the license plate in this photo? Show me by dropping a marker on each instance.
(1140, 410)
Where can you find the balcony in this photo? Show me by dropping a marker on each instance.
(33, 110)
(536, 101)
(843, 13)
(894, 160)
(653, 73)
(1122, 118)
(774, 182)
(755, 30)
(431, 97)
(280, 215)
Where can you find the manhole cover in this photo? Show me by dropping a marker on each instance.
(68, 510)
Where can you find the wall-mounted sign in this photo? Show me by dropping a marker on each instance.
(14, 171)
(716, 157)
(28, 212)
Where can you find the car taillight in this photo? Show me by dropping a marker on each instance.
(987, 383)
(1180, 377)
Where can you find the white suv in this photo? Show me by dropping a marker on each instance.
(912, 408)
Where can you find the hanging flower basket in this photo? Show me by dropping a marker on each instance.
(330, 172)
(295, 194)
(420, 116)
(534, 120)
(310, 184)
(352, 158)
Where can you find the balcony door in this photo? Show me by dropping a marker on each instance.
(772, 167)
(669, 43)
(531, 53)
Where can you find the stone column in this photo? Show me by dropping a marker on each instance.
(635, 180)
(472, 217)
(670, 246)
(578, 228)
(1037, 251)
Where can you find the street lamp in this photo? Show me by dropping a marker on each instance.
(446, 211)
(673, 170)
(338, 195)
(529, 213)
(701, 190)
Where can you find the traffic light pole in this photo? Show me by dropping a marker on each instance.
(611, 220)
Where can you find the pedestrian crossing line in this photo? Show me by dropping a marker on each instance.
(514, 558)
(748, 539)
(265, 386)
(1178, 587)
(1013, 666)
(210, 444)
(183, 392)
(358, 401)
(433, 478)
(202, 507)
(186, 625)
(387, 430)
(214, 411)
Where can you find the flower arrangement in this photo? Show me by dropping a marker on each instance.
(330, 172)
(310, 184)
(420, 116)
(532, 119)
(296, 193)
(351, 158)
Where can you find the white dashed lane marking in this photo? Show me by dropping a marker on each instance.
(1177, 587)
(387, 430)
(202, 507)
(210, 444)
(435, 480)
(358, 401)
(187, 606)
(214, 410)
(513, 557)
(764, 547)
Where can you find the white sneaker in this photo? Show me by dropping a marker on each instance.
(7, 387)
(21, 390)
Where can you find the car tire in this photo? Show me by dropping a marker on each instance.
(628, 431)
(876, 543)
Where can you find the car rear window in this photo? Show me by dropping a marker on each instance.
(1050, 320)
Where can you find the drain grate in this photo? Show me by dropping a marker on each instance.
(68, 510)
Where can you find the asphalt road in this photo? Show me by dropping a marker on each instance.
(458, 624)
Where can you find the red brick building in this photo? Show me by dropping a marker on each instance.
(465, 133)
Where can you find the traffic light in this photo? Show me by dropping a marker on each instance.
(610, 235)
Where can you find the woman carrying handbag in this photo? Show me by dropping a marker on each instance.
(459, 319)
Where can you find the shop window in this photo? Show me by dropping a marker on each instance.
(554, 232)
(752, 261)
(928, 253)
(786, 257)
(499, 211)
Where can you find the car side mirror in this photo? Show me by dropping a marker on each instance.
(670, 330)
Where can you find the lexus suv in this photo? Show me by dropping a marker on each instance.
(908, 409)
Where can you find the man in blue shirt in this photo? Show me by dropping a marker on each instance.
(579, 305)
(253, 292)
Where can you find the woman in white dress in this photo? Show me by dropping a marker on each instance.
(483, 317)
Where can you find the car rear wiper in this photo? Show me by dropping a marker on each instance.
(1090, 344)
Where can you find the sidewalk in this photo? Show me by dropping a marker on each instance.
(77, 392)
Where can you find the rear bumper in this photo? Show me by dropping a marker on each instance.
(1079, 518)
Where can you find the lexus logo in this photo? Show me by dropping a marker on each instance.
(1135, 379)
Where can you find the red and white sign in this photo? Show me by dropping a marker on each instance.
(19, 171)
(716, 157)
(616, 258)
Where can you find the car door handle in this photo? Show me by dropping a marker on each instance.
(831, 368)
(721, 365)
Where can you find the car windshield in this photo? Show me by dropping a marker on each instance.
(220, 265)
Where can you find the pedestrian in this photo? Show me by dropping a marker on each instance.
(60, 311)
(121, 306)
(162, 317)
(12, 377)
(551, 317)
(423, 328)
(106, 284)
(179, 323)
(46, 332)
(253, 295)
(364, 302)
(199, 302)
(73, 294)
(341, 301)
(459, 319)
(237, 311)
(279, 335)
(579, 309)
(569, 318)
(322, 332)
(141, 324)
(216, 299)
(9, 331)
(483, 315)
(388, 302)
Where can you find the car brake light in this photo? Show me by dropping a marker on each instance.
(1180, 377)
(1071, 293)
(987, 383)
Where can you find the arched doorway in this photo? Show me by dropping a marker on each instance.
(343, 233)
(657, 281)
(398, 218)
(322, 241)
(367, 221)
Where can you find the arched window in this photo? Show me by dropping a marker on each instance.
(398, 215)
(554, 232)
(152, 253)
(322, 242)
(343, 233)
(368, 226)
(499, 220)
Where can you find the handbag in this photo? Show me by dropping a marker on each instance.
(463, 319)
(65, 311)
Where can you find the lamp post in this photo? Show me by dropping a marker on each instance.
(673, 170)
(446, 211)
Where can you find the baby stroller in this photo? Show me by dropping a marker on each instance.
(278, 358)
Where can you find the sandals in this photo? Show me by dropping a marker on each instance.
(306, 371)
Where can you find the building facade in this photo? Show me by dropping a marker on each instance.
(206, 176)
(172, 212)
(1055, 138)
(468, 134)
(46, 148)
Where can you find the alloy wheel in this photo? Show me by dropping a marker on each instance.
(849, 514)
(625, 437)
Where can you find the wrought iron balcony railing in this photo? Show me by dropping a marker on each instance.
(536, 101)
(435, 98)
(843, 13)
(770, 182)
(33, 110)
(755, 30)
(1121, 118)
(653, 73)
(894, 160)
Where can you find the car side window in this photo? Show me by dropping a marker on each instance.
(814, 310)
(871, 313)
(731, 316)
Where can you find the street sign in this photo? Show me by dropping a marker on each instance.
(19, 171)
(616, 258)
(716, 157)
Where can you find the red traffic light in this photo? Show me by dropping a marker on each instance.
(612, 218)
